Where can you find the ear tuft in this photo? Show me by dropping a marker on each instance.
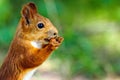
(32, 6)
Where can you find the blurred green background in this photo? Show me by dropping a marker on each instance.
(91, 31)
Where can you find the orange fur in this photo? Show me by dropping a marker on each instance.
(22, 56)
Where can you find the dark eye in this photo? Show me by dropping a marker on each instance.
(40, 25)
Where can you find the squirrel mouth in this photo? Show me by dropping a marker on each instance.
(47, 39)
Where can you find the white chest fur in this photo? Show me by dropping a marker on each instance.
(29, 75)
(36, 44)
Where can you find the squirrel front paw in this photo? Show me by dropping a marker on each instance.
(55, 42)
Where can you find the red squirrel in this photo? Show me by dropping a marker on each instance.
(35, 39)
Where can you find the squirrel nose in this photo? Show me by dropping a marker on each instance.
(52, 33)
(55, 33)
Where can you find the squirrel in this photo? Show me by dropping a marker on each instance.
(35, 39)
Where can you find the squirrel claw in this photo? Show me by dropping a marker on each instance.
(59, 39)
(55, 42)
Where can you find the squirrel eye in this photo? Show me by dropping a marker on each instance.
(40, 25)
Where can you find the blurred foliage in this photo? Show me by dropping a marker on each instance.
(91, 30)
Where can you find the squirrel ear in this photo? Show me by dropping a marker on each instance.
(28, 12)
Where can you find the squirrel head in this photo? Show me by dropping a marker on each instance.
(35, 27)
